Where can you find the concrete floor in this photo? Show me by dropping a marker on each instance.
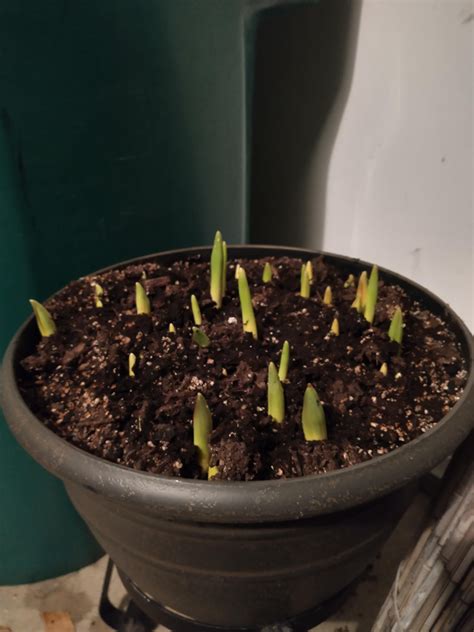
(77, 594)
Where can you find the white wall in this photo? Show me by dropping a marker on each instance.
(399, 189)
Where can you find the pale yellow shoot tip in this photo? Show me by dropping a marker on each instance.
(327, 298)
(44, 320)
(132, 360)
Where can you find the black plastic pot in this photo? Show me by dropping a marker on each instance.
(242, 554)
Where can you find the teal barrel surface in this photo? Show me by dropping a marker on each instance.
(124, 131)
(41, 534)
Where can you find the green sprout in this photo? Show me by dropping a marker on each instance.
(267, 273)
(305, 284)
(171, 328)
(200, 338)
(202, 428)
(309, 271)
(98, 294)
(248, 316)
(142, 301)
(395, 332)
(384, 369)
(356, 303)
(335, 327)
(350, 281)
(327, 298)
(224, 267)
(313, 418)
(132, 360)
(284, 361)
(44, 319)
(196, 311)
(212, 472)
(275, 395)
(372, 291)
(361, 293)
(218, 269)
(237, 268)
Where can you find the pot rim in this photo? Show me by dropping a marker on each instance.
(249, 501)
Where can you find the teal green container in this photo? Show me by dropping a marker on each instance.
(124, 131)
(41, 534)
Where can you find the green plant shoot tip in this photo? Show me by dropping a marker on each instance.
(171, 328)
(44, 319)
(309, 271)
(327, 298)
(218, 266)
(356, 303)
(200, 338)
(350, 281)
(267, 273)
(361, 293)
(196, 311)
(372, 291)
(384, 369)
(284, 361)
(313, 418)
(305, 285)
(98, 294)
(202, 428)
(224, 267)
(237, 268)
(335, 327)
(395, 332)
(212, 471)
(275, 395)
(248, 316)
(132, 360)
(141, 299)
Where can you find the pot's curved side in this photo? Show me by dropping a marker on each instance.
(261, 501)
(240, 575)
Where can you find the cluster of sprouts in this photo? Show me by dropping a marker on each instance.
(313, 421)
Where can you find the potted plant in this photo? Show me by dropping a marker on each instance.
(299, 503)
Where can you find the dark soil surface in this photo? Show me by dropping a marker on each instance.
(77, 380)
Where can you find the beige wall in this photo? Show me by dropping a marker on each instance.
(389, 175)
